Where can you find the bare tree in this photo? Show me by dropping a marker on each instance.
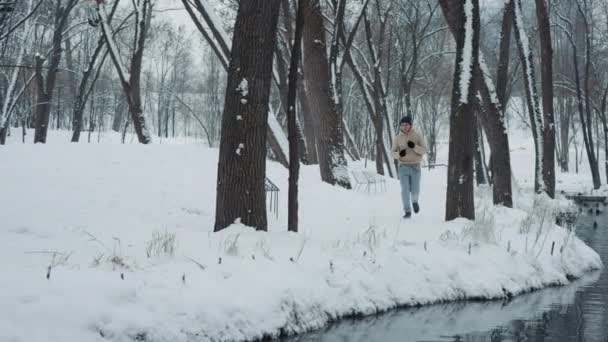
(10, 96)
(583, 97)
(536, 118)
(323, 99)
(130, 80)
(46, 83)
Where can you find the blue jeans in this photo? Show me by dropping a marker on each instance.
(409, 175)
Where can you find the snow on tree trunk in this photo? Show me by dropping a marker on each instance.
(536, 117)
(241, 197)
(544, 29)
(80, 99)
(467, 59)
(130, 82)
(328, 120)
(459, 198)
(492, 116)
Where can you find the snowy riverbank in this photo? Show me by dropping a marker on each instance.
(98, 213)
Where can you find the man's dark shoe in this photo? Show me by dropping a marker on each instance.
(416, 207)
(407, 214)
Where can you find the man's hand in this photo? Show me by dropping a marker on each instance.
(402, 153)
(411, 144)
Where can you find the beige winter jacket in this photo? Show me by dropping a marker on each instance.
(413, 156)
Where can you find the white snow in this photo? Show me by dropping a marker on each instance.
(467, 63)
(92, 211)
(275, 127)
(243, 87)
(488, 80)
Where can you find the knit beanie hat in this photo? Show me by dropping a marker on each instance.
(405, 119)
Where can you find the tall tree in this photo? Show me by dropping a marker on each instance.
(492, 116)
(546, 56)
(84, 89)
(294, 161)
(536, 118)
(131, 79)
(323, 99)
(45, 84)
(459, 198)
(242, 160)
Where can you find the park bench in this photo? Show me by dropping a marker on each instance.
(272, 193)
(368, 180)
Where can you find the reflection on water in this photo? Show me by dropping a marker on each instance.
(577, 312)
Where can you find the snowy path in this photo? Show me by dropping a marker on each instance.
(101, 205)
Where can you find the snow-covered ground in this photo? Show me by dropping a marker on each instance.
(127, 233)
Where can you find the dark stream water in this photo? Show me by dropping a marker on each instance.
(577, 312)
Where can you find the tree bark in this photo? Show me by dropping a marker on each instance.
(80, 100)
(130, 81)
(459, 198)
(323, 100)
(502, 71)
(492, 117)
(242, 160)
(294, 162)
(43, 104)
(587, 124)
(309, 127)
(480, 176)
(529, 77)
(46, 87)
(544, 30)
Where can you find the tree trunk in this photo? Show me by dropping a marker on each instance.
(593, 162)
(323, 100)
(378, 129)
(502, 71)
(46, 87)
(480, 176)
(492, 117)
(82, 96)
(294, 162)
(529, 77)
(544, 30)
(588, 140)
(242, 160)
(130, 82)
(565, 133)
(306, 114)
(459, 198)
(117, 121)
(43, 104)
